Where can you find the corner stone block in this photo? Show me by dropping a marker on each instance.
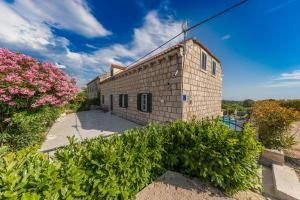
(271, 156)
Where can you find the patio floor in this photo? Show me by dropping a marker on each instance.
(84, 125)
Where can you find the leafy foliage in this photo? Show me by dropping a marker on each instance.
(82, 103)
(294, 104)
(213, 152)
(230, 107)
(26, 84)
(28, 128)
(273, 122)
(120, 166)
(79, 102)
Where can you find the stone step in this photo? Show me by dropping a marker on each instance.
(286, 183)
(268, 182)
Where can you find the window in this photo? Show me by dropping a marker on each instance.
(214, 68)
(102, 99)
(144, 102)
(123, 100)
(203, 60)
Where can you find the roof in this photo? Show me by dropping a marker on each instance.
(114, 65)
(93, 80)
(178, 45)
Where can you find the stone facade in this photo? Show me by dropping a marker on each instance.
(93, 87)
(180, 89)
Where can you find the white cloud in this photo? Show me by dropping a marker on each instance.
(288, 79)
(284, 84)
(26, 26)
(279, 6)
(226, 37)
(21, 33)
(153, 32)
(60, 66)
(73, 15)
(295, 75)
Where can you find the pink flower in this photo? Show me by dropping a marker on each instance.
(13, 90)
(11, 103)
(4, 98)
(26, 91)
(23, 76)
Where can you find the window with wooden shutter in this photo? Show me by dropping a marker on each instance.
(120, 100)
(126, 100)
(149, 102)
(203, 60)
(214, 68)
(123, 100)
(144, 102)
(139, 101)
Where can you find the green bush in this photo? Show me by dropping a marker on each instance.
(213, 152)
(81, 103)
(273, 122)
(28, 128)
(293, 104)
(120, 166)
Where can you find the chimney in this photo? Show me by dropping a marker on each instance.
(116, 68)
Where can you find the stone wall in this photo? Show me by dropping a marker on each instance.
(203, 89)
(156, 76)
(92, 89)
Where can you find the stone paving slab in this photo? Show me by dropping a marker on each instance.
(286, 183)
(82, 125)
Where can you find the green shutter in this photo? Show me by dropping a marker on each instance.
(139, 101)
(126, 100)
(120, 100)
(149, 102)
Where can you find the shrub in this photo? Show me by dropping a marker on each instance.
(273, 122)
(26, 83)
(79, 102)
(122, 165)
(82, 103)
(213, 152)
(28, 128)
(294, 104)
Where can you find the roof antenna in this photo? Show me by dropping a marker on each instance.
(184, 27)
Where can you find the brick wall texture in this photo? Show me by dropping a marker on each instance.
(168, 76)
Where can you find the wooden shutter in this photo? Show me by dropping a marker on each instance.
(126, 100)
(139, 101)
(149, 102)
(120, 100)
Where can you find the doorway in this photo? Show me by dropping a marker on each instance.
(111, 102)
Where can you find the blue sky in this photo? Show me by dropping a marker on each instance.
(257, 43)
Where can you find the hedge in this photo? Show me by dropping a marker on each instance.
(120, 166)
(28, 128)
(273, 122)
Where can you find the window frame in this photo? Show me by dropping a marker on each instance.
(123, 100)
(201, 61)
(144, 102)
(214, 68)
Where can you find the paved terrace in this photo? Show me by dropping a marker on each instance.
(84, 125)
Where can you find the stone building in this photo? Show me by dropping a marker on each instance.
(93, 86)
(182, 82)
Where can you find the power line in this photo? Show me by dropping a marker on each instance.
(190, 28)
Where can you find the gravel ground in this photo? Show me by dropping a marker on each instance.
(174, 186)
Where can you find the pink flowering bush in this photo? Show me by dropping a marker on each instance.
(26, 83)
